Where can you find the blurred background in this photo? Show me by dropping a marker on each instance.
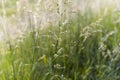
(14, 14)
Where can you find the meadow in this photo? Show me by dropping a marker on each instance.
(59, 40)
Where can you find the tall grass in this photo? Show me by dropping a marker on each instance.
(83, 47)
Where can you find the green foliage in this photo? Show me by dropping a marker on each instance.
(10, 7)
(85, 48)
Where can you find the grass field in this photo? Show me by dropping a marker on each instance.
(59, 40)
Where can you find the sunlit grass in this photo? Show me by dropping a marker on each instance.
(59, 42)
(10, 7)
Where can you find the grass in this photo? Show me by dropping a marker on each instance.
(10, 7)
(85, 48)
